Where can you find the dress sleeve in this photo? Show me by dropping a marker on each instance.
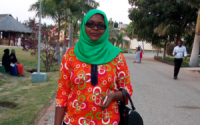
(123, 75)
(64, 84)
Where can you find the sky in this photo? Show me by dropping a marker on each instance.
(115, 9)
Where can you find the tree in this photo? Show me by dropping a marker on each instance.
(74, 13)
(48, 43)
(130, 33)
(116, 37)
(116, 25)
(68, 11)
(54, 10)
(194, 59)
(156, 21)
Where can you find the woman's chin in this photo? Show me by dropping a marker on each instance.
(94, 38)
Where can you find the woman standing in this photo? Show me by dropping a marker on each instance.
(12, 41)
(90, 72)
(19, 42)
(138, 55)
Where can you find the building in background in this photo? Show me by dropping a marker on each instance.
(11, 27)
(134, 42)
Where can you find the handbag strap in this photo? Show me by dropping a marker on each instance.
(125, 95)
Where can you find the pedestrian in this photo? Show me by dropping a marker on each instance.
(19, 42)
(11, 41)
(141, 54)
(90, 72)
(16, 41)
(138, 55)
(27, 43)
(179, 52)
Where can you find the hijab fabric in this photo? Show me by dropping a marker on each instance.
(95, 52)
(6, 60)
(14, 59)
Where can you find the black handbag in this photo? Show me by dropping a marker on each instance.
(128, 116)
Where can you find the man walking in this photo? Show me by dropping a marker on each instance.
(179, 52)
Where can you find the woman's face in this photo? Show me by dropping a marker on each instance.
(94, 33)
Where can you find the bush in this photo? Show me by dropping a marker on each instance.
(170, 49)
(125, 50)
(189, 50)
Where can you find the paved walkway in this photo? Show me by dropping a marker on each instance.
(159, 98)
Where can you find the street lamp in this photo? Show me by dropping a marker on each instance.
(37, 76)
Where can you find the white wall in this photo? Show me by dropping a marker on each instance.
(135, 43)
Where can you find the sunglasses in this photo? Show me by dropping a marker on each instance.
(99, 26)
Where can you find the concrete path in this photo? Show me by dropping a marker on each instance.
(159, 98)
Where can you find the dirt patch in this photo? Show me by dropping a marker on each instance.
(7, 105)
(31, 70)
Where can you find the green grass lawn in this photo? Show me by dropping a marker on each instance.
(170, 59)
(29, 98)
(185, 60)
(29, 62)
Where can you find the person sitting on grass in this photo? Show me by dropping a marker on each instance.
(6, 60)
(20, 67)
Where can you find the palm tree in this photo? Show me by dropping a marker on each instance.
(120, 42)
(69, 11)
(116, 37)
(54, 10)
(194, 59)
(75, 10)
(166, 29)
(129, 32)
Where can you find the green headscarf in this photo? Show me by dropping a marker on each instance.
(95, 52)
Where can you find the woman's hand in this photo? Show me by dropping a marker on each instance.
(110, 98)
(117, 96)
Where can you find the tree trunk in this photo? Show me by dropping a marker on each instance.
(157, 52)
(194, 59)
(74, 38)
(178, 37)
(164, 52)
(129, 48)
(70, 35)
(143, 46)
(58, 45)
(64, 43)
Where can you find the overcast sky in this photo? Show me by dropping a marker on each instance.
(115, 9)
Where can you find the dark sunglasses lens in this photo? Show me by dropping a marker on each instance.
(90, 24)
(101, 26)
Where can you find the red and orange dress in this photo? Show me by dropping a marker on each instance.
(81, 99)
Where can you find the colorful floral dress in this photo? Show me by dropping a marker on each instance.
(81, 98)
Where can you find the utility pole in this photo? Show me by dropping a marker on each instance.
(38, 77)
(70, 35)
(39, 38)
